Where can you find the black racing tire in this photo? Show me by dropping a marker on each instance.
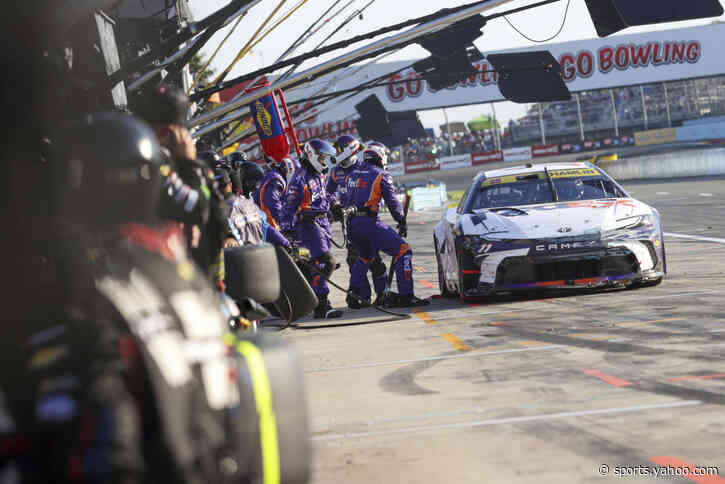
(252, 271)
(467, 281)
(297, 299)
(272, 413)
(441, 275)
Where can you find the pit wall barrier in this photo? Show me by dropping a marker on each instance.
(429, 198)
(704, 131)
(679, 164)
(655, 137)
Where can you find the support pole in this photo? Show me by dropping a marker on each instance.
(541, 124)
(667, 105)
(448, 128)
(644, 107)
(579, 114)
(496, 139)
(614, 113)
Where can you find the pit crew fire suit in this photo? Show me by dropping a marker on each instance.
(270, 196)
(367, 186)
(305, 214)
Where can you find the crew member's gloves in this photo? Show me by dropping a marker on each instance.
(403, 229)
(338, 213)
(231, 242)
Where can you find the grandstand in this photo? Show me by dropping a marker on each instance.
(638, 108)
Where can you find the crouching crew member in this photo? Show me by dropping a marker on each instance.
(305, 214)
(367, 185)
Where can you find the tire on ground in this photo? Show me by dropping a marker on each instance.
(273, 435)
(296, 299)
(252, 271)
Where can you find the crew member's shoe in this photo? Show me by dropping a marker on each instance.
(380, 300)
(324, 309)
(356, 302)
(406, 301)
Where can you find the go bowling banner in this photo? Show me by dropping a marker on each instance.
(269, 127)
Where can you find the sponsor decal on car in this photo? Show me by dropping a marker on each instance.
(564, 246)
(574, 173)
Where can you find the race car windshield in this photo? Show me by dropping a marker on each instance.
(534, 188)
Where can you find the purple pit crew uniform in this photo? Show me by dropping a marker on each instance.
(367, 185)
(305, 212)
(336, 186)
(270, 196)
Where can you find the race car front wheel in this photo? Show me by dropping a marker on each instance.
(468, 274)
(442, 283)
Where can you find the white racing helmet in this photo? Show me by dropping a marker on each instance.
(375, 155)
(320, 154)
(347, 150)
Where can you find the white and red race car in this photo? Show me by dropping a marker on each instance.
(552, 226)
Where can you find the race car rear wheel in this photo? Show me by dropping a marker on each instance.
(441, 273)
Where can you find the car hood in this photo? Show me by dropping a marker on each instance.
(552, 220)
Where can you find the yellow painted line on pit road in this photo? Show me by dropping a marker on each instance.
(427, 318)
(457, 343)
(452, 339)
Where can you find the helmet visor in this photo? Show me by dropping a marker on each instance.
(323, 147)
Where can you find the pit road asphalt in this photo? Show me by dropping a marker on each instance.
(531, 389)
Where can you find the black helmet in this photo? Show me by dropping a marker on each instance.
(110, 170)
(252, 175)
(210, 157)
(222, 176)
(163, 105)
(236, 159)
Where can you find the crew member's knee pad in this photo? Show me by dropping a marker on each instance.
(327, 263)
(377, 267)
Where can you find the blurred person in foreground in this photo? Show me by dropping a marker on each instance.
(104, 388)
(191, 195)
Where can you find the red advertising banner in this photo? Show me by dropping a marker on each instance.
(490, 157)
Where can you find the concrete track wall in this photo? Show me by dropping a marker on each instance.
(634, 163)
(682, 164)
